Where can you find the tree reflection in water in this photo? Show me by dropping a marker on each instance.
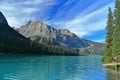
(113, 75)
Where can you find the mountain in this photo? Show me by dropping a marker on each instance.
(38, 31)
(5, 29)
(11, 42)
(43, 33)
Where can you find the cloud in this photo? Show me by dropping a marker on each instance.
(30, 10)
(3, 7)
(20, 12)
(14, 21)
(37, 2)
(87, 22)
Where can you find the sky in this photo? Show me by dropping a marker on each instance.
(85, 18)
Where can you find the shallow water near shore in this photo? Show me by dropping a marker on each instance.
(22, 67)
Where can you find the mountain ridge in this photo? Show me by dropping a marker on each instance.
(34, 29)
(43, 33)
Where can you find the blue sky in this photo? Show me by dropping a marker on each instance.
(86, 18)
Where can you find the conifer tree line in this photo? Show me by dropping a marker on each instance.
(113, 35)
(12, 45)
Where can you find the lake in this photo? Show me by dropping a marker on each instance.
(21, 67)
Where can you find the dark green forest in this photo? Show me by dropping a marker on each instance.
(113, 35)
(13, 45)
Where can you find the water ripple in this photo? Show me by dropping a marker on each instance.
(52, 68)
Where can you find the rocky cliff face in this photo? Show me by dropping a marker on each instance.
(38, 31)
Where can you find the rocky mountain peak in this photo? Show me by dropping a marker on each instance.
(30, 22)
(41, 32)
(2, 19)
(39, 21)
(35, 22)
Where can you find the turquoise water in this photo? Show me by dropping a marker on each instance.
(52, 68)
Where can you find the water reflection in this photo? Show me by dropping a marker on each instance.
(113, 75)
(52, 68)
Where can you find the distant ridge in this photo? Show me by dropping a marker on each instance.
(43, 33)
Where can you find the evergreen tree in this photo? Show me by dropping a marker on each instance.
(116, 34)
(109, 28)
